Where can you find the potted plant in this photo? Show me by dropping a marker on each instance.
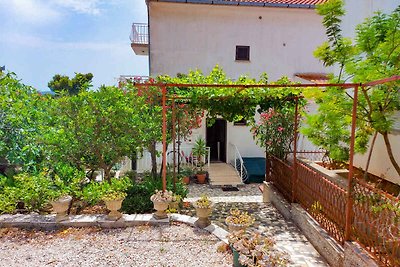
(203, 208)
(113, 201)
(61, 202)
(251, 249)
(200, 151)
(238, 220)
(186, 173)
(161, 200)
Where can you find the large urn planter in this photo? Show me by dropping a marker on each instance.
(113, 201)
(114, 205)
(161, 200)
(203, 208)
(60, 206)
(160, 207)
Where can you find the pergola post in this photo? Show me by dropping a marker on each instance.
(164, 139)
(173, 144)
(294, 178)
(349, 204)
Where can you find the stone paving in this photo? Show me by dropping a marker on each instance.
(268, 220)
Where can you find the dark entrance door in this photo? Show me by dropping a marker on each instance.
(216, 140)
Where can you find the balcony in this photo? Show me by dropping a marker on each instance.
(140, 38)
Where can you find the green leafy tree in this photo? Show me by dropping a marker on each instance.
(373, 54)
(72, 86)
(97, 129)
(22, 111)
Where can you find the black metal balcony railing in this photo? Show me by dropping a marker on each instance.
(140, 34)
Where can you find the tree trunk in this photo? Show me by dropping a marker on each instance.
(370, 155)
(153, 154)
(390, 152)
(162, 162)
(107, 171)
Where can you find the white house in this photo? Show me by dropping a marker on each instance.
(243, 37)
(246, 37)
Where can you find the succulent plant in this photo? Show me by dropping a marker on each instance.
(203, 202)
(239, 217)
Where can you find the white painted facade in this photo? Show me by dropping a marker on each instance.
(199, 36)
(282, 40)
(194, 36)
(356, 12)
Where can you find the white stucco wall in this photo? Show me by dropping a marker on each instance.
(380, 163)
(356, 12)
(190, 36)
(194, 36)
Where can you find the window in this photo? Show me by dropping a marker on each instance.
(241, 122)
(242, 52)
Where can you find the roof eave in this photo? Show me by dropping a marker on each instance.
(237, 3)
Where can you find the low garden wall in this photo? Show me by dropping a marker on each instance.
(351, 254)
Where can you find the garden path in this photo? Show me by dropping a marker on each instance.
(268, 220)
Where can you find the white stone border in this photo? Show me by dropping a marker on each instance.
(48, 222)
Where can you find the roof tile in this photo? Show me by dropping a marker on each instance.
(288, 2)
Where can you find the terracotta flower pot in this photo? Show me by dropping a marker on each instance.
(60, 206)
(201, 178)
(186, 180)
(114, 205)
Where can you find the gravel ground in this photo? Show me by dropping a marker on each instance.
(175, 245)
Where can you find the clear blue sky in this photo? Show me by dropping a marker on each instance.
(40, 38)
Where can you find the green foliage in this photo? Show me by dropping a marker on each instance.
(63, 84)
(96, 130)
(274, 131)
(22, 112)
(238, 103)
(199, 151)
(94, 192)
(35, 191)
(374, 55)
(138, 196)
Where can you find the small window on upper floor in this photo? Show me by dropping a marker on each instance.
(242, 52)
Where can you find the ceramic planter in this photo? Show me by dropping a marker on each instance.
(201, 178)
(114, 205)
(60, 206)
(160, 207)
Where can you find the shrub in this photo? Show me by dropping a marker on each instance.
(138, 198)
(95, 191)
(34, 190)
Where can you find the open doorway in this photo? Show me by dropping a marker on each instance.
(216, 140)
